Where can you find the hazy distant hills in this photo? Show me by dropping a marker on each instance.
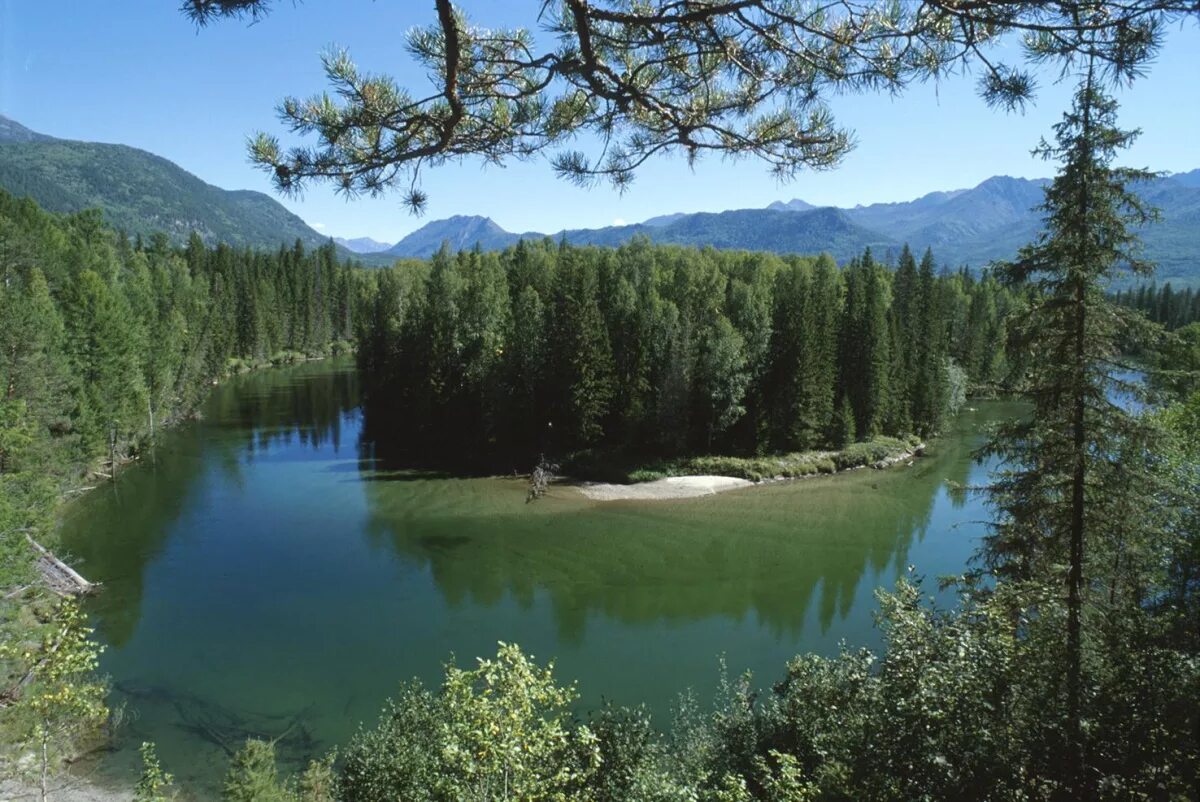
(140, 192)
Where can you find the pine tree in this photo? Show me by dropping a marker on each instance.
(822, 312)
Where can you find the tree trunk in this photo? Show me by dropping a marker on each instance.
(1075, 752)
(45, 762)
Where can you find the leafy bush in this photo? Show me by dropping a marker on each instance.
(499, 731)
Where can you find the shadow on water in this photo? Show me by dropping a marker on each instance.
(268, 574)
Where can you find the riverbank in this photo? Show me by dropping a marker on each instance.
(704, 476)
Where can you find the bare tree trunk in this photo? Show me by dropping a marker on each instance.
(112, 451)
(1075, 756)
(1077, 783)
(45, 761)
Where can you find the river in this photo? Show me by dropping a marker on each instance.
(264, 574)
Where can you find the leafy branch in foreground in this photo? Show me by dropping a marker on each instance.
(744, 78)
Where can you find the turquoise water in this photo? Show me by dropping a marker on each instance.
(264, 576)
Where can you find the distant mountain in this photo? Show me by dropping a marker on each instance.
(994, 219)
(663, 219)
(461, 232)
(142, 193)
(139, 192)
(749, 229)
(745, 229)
(1188, 179)
(794, 205)
(362, 244)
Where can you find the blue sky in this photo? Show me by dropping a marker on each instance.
(138, 73)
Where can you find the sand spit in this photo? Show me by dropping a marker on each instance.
(668, 488)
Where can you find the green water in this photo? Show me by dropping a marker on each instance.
(263, 575)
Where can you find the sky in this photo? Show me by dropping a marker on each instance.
(137, 72)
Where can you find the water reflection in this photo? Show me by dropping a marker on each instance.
(765, 554)
(114, 533)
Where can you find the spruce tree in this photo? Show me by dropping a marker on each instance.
(903, 323)
(931, 386)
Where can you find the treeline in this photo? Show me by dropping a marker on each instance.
(103, 340)
(668, 350)
(1170, 308)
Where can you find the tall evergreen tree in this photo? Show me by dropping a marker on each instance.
(932, 384)
(903, 321)
(1062, 500)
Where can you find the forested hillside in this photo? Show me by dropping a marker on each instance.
(141, 193)
(670, 350)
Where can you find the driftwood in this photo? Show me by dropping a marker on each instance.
(540, 479)
(60, 577)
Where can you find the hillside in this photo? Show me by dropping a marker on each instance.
(139, 192)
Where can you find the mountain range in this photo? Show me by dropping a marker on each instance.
(142, 193)
(963, 227)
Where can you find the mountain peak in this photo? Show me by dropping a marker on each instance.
(461, 232)
(794, 205)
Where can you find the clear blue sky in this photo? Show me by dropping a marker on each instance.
(137, 72)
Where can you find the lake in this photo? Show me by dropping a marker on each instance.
(263, 574)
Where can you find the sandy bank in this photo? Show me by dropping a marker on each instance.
(670, 487)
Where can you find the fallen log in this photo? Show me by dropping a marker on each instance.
(59, 576)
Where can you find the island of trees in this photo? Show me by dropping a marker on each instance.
(656, 350)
